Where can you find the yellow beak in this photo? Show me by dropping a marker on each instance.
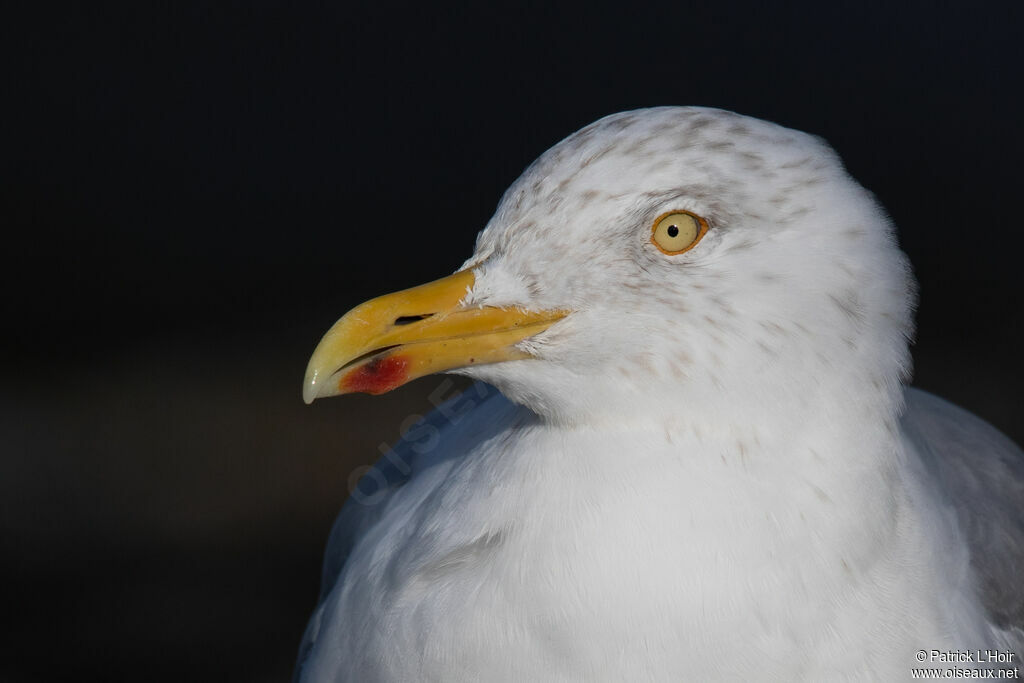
(393, 339)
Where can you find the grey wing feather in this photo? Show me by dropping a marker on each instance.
(368, 502)
(980, 472)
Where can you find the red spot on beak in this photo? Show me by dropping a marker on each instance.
(378, 376)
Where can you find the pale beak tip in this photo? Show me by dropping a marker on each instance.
(310, 388)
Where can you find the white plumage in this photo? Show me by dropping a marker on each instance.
(709, 470)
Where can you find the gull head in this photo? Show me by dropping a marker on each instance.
(677, 263)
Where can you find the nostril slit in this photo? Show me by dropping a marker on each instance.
(409, 319)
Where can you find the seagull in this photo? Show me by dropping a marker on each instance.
(692, 454)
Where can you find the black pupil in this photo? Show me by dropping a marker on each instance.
(673, 231)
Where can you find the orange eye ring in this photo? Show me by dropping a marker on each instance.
(677, 232)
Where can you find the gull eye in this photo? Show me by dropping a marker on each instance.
(678, 231)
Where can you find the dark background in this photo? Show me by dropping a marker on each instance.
(193, 192)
